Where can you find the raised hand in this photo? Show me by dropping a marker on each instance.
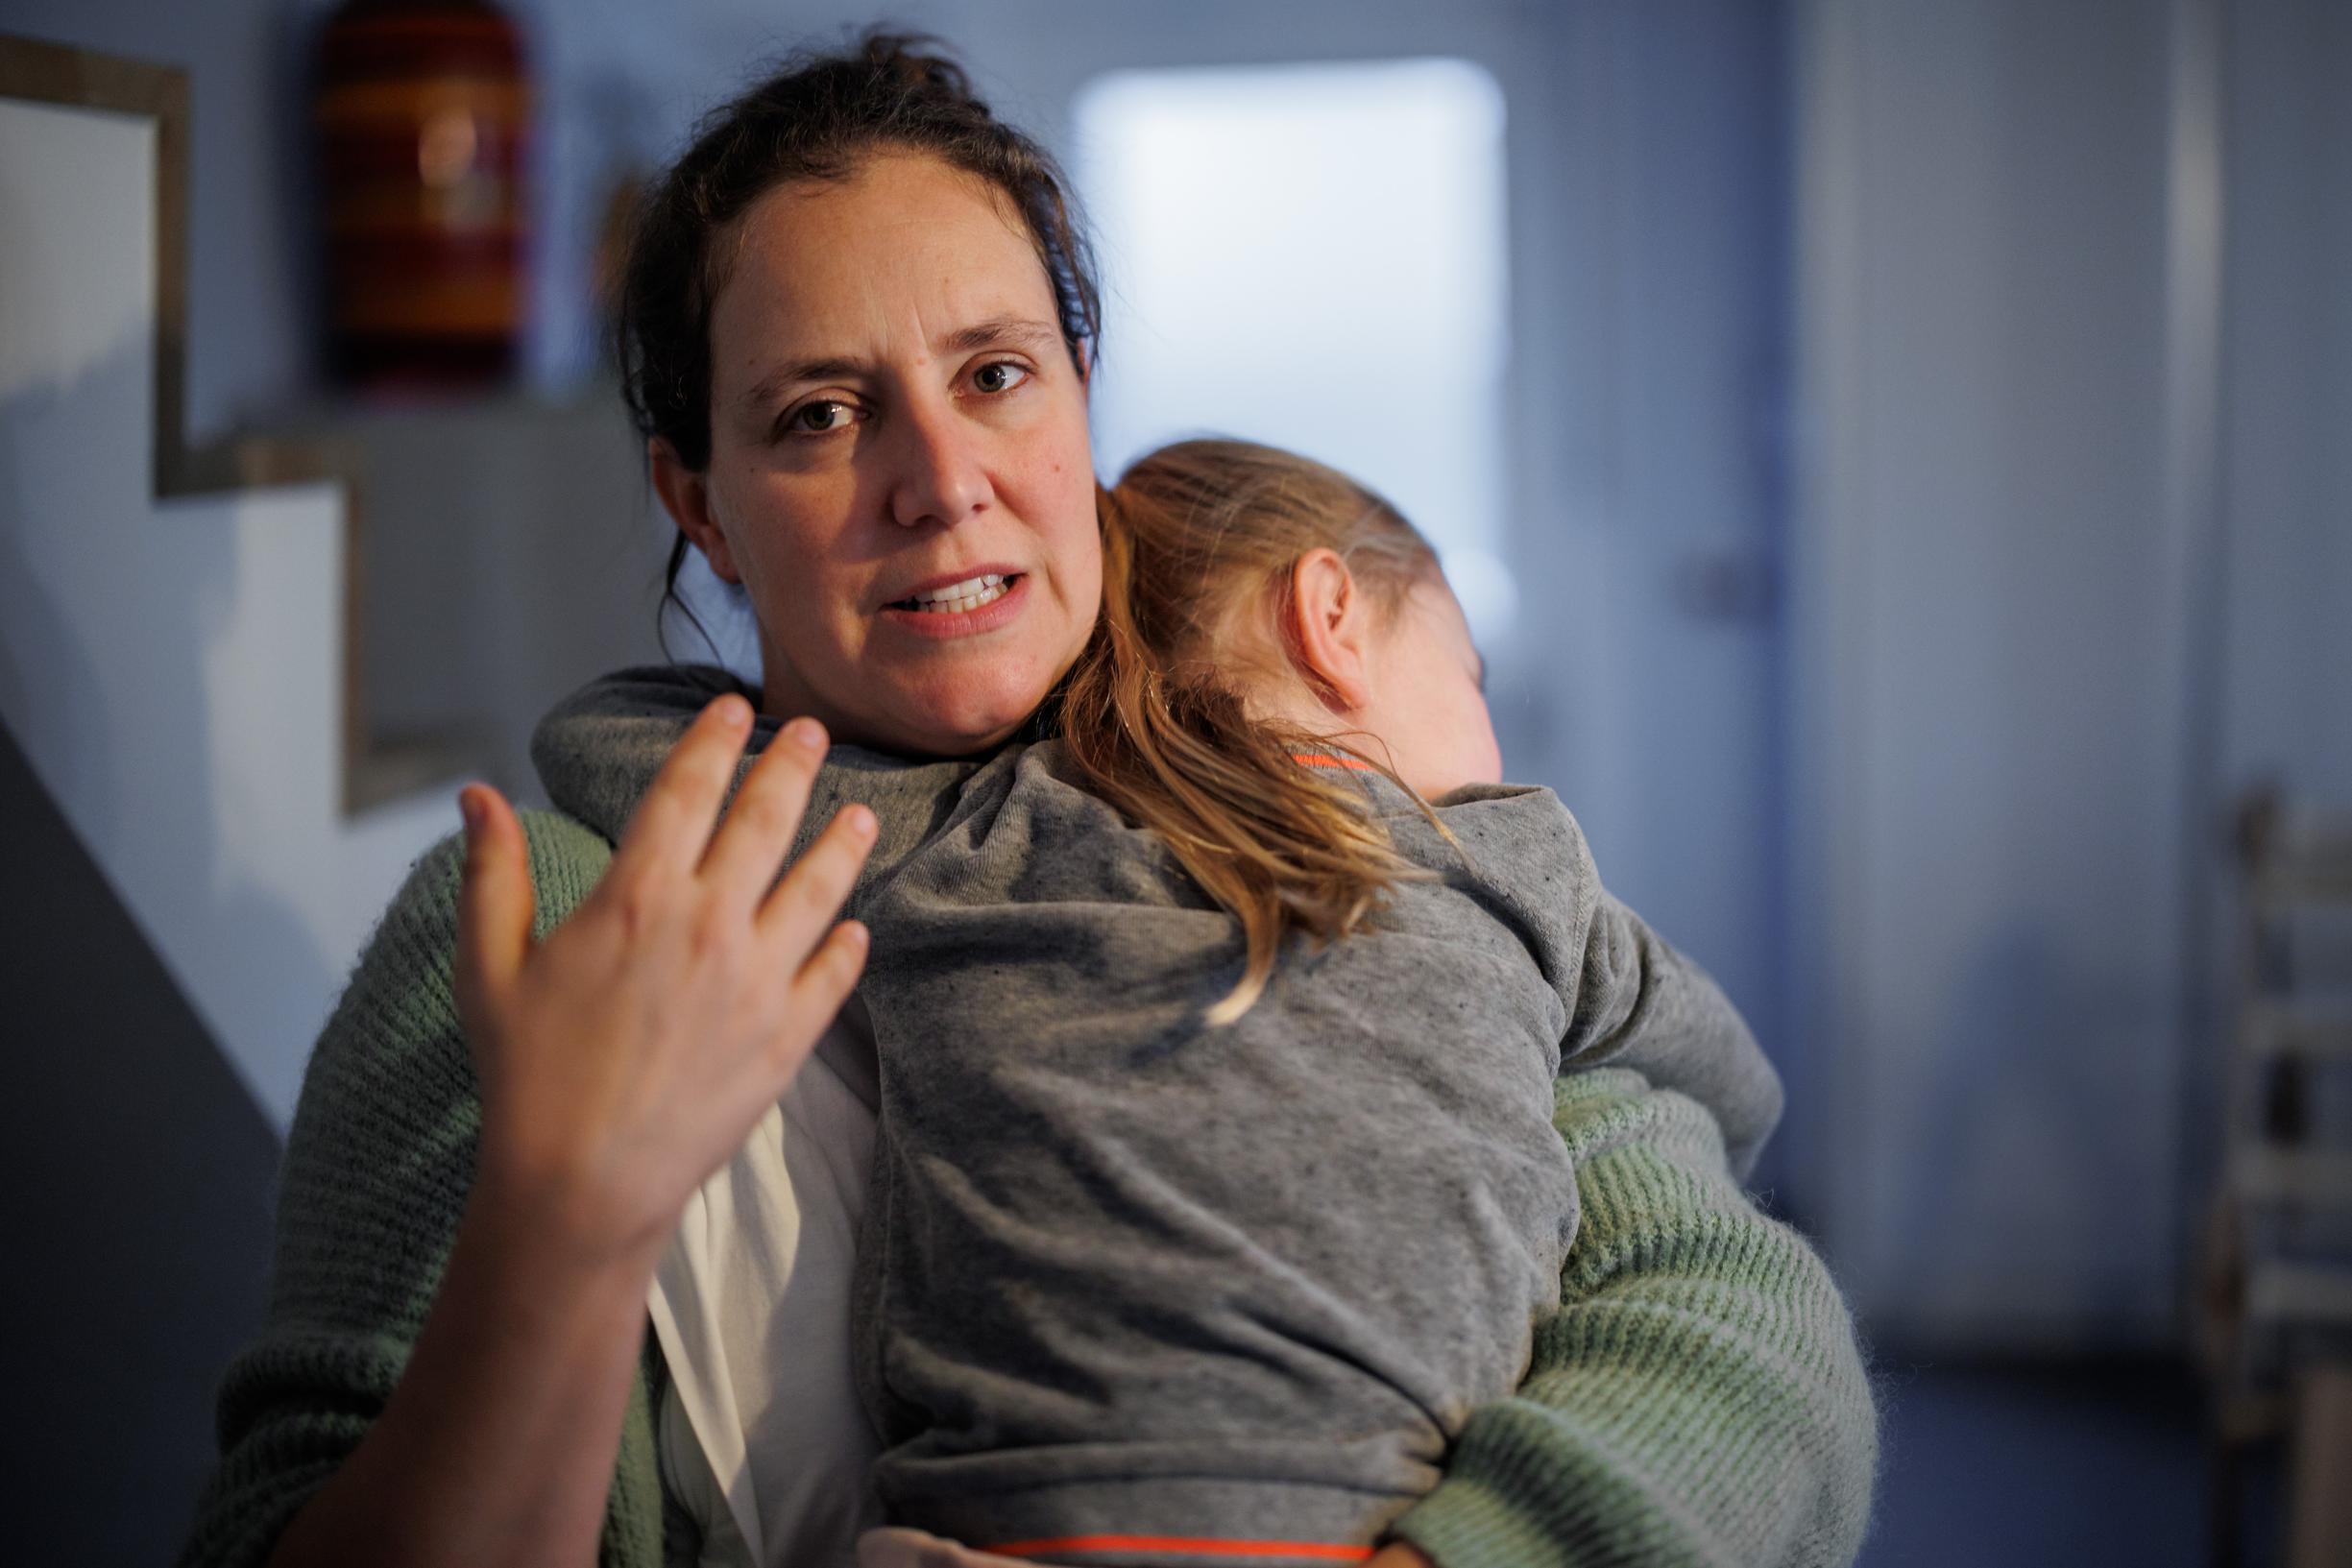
(630, 1053)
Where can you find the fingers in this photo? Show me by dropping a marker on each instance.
(751, 843)
(817, 994)
(811, 1000)
(796, 916)
(672, 823)
(899, 1547)
(494, 902)
(813, 892)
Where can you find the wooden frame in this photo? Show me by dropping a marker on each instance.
(47, 73)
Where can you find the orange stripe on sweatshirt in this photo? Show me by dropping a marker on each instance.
(1316, 759)
(1191, 1546)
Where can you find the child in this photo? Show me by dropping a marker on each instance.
(1161, 1257)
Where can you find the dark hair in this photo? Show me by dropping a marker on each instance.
(818, 118)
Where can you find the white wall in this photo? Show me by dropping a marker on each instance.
(2040, 646)
(172, 672)
(1988, 662)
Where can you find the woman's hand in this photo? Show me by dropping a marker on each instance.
(630, 1053)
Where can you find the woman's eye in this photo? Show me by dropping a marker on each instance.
(999, 375)
(819, 417)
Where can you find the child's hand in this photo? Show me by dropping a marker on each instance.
(914, 1549)
(900, 1548)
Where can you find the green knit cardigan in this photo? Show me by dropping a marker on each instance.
(1699, 1399)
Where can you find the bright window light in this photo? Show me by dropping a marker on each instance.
(1313, 257)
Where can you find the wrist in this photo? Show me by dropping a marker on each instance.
(548, 1233)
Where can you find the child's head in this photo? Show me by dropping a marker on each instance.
(1312, 596)
(1259, 607)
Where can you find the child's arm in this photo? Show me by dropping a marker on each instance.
(1641, 1004)
(1632, 999)
(1699, 1399)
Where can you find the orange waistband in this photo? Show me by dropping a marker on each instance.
(1189, 1545)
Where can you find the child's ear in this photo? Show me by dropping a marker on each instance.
(688, 499)
(1326, 630)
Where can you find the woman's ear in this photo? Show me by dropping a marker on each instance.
(1326, 630)
(687, 497)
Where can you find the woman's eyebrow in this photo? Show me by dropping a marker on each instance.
(771, 386)
(1019, 332)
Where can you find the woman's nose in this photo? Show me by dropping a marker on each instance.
(939, 473)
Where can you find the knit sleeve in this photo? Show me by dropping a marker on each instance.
(377, 1168)
(1698, 1401)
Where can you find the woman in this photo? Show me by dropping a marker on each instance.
(857, 333)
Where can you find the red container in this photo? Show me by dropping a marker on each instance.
(422, 112)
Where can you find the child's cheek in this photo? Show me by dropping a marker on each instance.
(1486, 752)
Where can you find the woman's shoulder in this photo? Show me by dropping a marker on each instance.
(403, 971)
(567, 858)
(392, 1061)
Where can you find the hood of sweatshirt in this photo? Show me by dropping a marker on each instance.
(598, 749)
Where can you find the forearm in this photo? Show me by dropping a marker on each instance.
(1698, 1400)
(499, 1444)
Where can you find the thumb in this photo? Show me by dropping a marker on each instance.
(495, 907)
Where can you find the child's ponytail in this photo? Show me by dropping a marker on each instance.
(1195, 538)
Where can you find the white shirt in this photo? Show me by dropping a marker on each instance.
(760, 1432)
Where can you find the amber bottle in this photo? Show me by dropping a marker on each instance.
(423, 112)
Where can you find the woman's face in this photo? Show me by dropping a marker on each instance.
(900, 475)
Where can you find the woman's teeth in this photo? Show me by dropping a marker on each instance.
(958, 598)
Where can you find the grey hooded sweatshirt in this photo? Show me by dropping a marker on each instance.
(1128, 1277)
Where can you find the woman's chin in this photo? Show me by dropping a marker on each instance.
(958, 723)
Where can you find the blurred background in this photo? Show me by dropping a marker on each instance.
(1896, 454)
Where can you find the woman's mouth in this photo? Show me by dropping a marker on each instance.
(979, 603)
(960, 598)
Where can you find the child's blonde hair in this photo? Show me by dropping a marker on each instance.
(1198, 543)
